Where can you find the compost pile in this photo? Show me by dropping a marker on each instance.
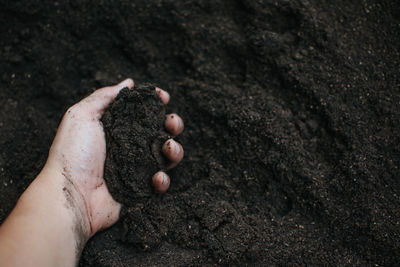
(292, 121)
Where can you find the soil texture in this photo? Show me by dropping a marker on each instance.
(292, 122)
(134, 127)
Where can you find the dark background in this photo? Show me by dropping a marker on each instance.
(292, 112)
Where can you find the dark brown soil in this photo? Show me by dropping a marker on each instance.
(134, 127)
(292, 121)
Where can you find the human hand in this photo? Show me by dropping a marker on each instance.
(79, 149)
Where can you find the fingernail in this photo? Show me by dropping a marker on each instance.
(180, 123)
(163, 95)
(165, 179)
(177, 148)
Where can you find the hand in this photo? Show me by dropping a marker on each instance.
(79, 150)
(68, 202)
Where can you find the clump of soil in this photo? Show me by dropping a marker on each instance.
(134, 127)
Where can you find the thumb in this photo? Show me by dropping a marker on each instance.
(99, 100)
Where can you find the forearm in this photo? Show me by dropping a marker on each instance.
(46, 228)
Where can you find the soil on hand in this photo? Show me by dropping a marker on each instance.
(292, 122)
(134, 127)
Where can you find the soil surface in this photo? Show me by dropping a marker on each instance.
(291, 111)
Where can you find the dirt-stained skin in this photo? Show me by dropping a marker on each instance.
(75, 202)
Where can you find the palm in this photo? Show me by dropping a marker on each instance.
(79, 151)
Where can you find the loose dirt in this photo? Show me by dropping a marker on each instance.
(292, 121)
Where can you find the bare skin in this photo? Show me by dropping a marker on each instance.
(69, 202)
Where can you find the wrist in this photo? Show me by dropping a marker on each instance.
(47, 220)
(71, 199)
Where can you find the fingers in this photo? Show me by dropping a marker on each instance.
(174, 124)
(161, 182)
(98, 101)
(173, 151)
(163, 95)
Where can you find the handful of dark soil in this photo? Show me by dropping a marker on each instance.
(134, 127)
